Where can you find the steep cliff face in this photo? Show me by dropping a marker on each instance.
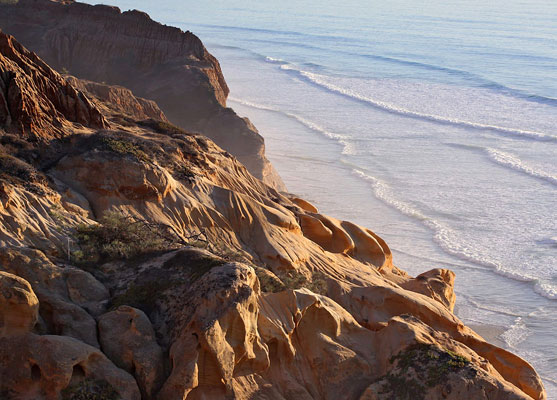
(232, 290)
(35, 101)
(158, 62)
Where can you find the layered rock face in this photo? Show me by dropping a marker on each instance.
(158, 62)
(254, 295)
(34, 99)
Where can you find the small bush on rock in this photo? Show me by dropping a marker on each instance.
(120, 236)
(125, 147)
(163, 127)
(89, 389)
(291, 280)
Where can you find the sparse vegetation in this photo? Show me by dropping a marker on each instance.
(162, 127)
(120, 236)
(203, 265)
(17, 168)
(184, 173)
(194, 262)
(291, 280)
(269, 282)
(18, 172)
(125, 147)
(89, 389)
(419, 367)
(142, 296)
(123, 120)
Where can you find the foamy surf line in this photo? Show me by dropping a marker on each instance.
(509, 161)
(517, 164)
(343, 140)
(516, 334)
(448, 240)
(319, 81)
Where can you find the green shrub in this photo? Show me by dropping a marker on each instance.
(125, 147)
(17, 168)
(119, 236)
(419, 367)
(89, 389)
(162, 127)
(193, 262)
(291, 280)
(268, 282)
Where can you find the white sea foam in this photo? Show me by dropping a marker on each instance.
(517, 333)
(326, 83)
(342, 139)
(275, 60)
(516, 163)
(546, 290)
(449, 240)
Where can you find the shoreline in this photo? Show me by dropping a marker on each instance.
(465, 281)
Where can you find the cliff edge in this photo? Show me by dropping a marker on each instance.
(161, 63)
(142, 261)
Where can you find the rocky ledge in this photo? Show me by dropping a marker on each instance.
(139, 260)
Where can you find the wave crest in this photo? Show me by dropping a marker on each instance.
(322, 82)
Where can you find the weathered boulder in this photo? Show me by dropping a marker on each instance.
(437, 284)
(61, 316)
(128, 339)
(44, 366)
(19, 307)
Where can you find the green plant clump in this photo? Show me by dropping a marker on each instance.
(195, 264)
(268, 282)
(119, 236)
(162, 127)
(89, 389)
(292, 280)
(17, 168)
(125, 147)
(419, 367)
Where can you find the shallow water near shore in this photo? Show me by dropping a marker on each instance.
(434, 125)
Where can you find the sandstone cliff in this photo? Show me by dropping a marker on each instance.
(138, 260)
(158, 62)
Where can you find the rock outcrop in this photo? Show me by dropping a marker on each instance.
(158, 62)
(118, 100)
(128, 339)
(36, 101)
(19, 306)
(144, 261)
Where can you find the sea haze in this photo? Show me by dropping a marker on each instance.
(433, 124)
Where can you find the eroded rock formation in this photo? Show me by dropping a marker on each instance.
(258, 295)
(35, 101)
(155, 61)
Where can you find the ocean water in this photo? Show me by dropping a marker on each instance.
(432, 123)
